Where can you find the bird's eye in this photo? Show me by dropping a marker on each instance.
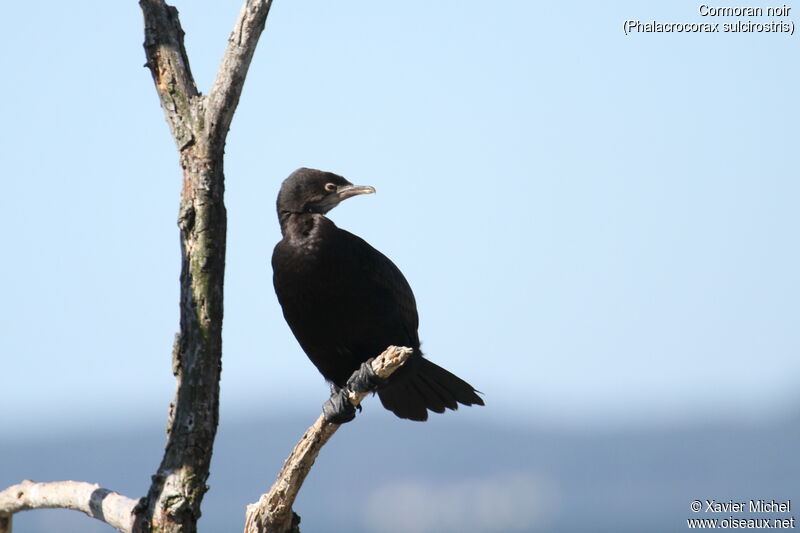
(330, 187)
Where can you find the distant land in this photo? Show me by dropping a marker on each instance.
(453, 474)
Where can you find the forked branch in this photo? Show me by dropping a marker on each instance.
(199, 125)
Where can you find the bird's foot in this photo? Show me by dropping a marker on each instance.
(364, 379)
(338, 409)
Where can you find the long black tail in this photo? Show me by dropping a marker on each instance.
(424, 386)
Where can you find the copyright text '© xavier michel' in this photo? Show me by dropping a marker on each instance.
(752, 506)
(721, 514)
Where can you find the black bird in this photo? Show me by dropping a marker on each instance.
(346, 302)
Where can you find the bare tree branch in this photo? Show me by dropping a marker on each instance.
(224, 95)
(173, 501)
(273, 511)
(169, 65)
(97, 502)
(199, 126)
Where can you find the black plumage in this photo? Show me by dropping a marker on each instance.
(346, 302)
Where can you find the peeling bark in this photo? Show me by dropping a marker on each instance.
(199, 126)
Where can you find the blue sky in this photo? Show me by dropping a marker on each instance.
(600, 229)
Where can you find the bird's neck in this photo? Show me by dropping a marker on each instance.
(299, 227)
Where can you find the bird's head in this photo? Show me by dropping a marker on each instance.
(313, 191)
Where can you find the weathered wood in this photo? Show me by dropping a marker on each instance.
(199, 126)
(169, 65)
(97, 502)
(224, 94)
(273, 511)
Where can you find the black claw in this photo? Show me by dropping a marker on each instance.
(364, 379)
(338, 409)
